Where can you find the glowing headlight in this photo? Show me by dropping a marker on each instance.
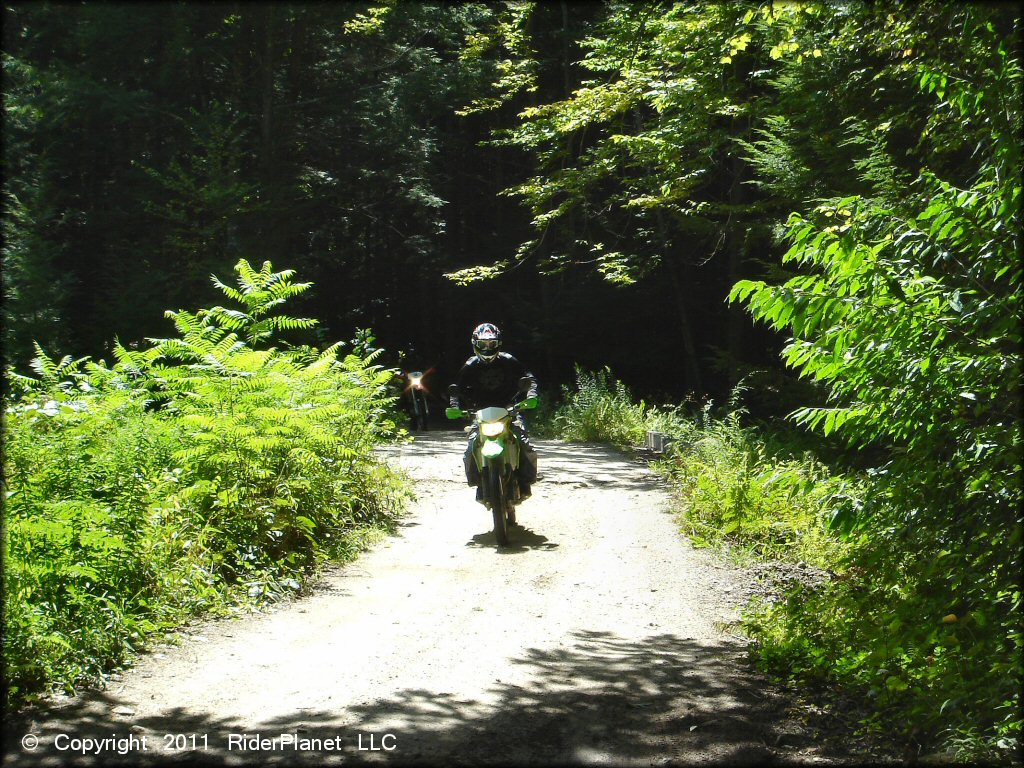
(415, 382)
(492, 429)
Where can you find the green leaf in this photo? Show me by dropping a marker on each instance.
(896, 684)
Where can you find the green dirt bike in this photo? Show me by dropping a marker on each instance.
(496, 450)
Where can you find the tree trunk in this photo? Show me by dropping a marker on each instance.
(735, 241)
(270, 232)
(690, 361)
(735, 236)
(547, 317)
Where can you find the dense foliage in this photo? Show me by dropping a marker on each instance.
(203, 470)
(885, 154)
(882, 623)
(907, 305)
(145, 150)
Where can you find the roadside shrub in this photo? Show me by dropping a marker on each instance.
(735, 489)
(600, 409)
(82, 466)
(198, 473)
(734, 486)
(908, 307)
(905, 302)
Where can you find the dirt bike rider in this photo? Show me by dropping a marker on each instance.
(491, 378)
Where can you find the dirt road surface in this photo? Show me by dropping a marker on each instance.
(598, 636)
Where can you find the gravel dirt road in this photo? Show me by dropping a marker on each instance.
(598, 636)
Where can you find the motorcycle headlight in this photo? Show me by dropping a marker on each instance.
(492, 428)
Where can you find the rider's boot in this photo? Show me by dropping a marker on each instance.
(524, 488)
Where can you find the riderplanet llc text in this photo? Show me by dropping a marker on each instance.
(365, 742)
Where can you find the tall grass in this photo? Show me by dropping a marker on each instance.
(194, 475)
(599, 409)
(734, 486)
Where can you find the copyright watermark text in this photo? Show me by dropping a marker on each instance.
(232, 742)
(89, 745)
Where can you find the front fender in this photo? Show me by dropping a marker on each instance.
(504, 449)
(492, 448)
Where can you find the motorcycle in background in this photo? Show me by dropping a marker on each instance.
(497, 451)
(416, 400)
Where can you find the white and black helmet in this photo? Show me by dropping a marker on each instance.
(486, 341)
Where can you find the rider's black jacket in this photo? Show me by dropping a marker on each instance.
(495, 383)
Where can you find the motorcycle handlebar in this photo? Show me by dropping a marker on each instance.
(528, 404)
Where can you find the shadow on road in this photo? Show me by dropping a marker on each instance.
(520, 539)
(603, 699)
(600, 699)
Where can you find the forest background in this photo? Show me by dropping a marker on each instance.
(613, 184)
(147, 151)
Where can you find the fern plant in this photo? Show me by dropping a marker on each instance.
(199, 471)
(600, 409)
(259, 293)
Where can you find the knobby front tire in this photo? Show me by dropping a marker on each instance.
(420, 419)
(495, 492)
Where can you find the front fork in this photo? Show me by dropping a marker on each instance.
(508, 455)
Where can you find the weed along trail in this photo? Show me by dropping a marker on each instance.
(595, 637)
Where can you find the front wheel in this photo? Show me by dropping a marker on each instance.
(420, 414)
(494, 491)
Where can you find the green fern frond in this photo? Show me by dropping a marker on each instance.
(291, 323)
(201, 421)
(227, 290)
(24, 382)
(224, 348)
(268, 444)
(230, 319)
(52, 374)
